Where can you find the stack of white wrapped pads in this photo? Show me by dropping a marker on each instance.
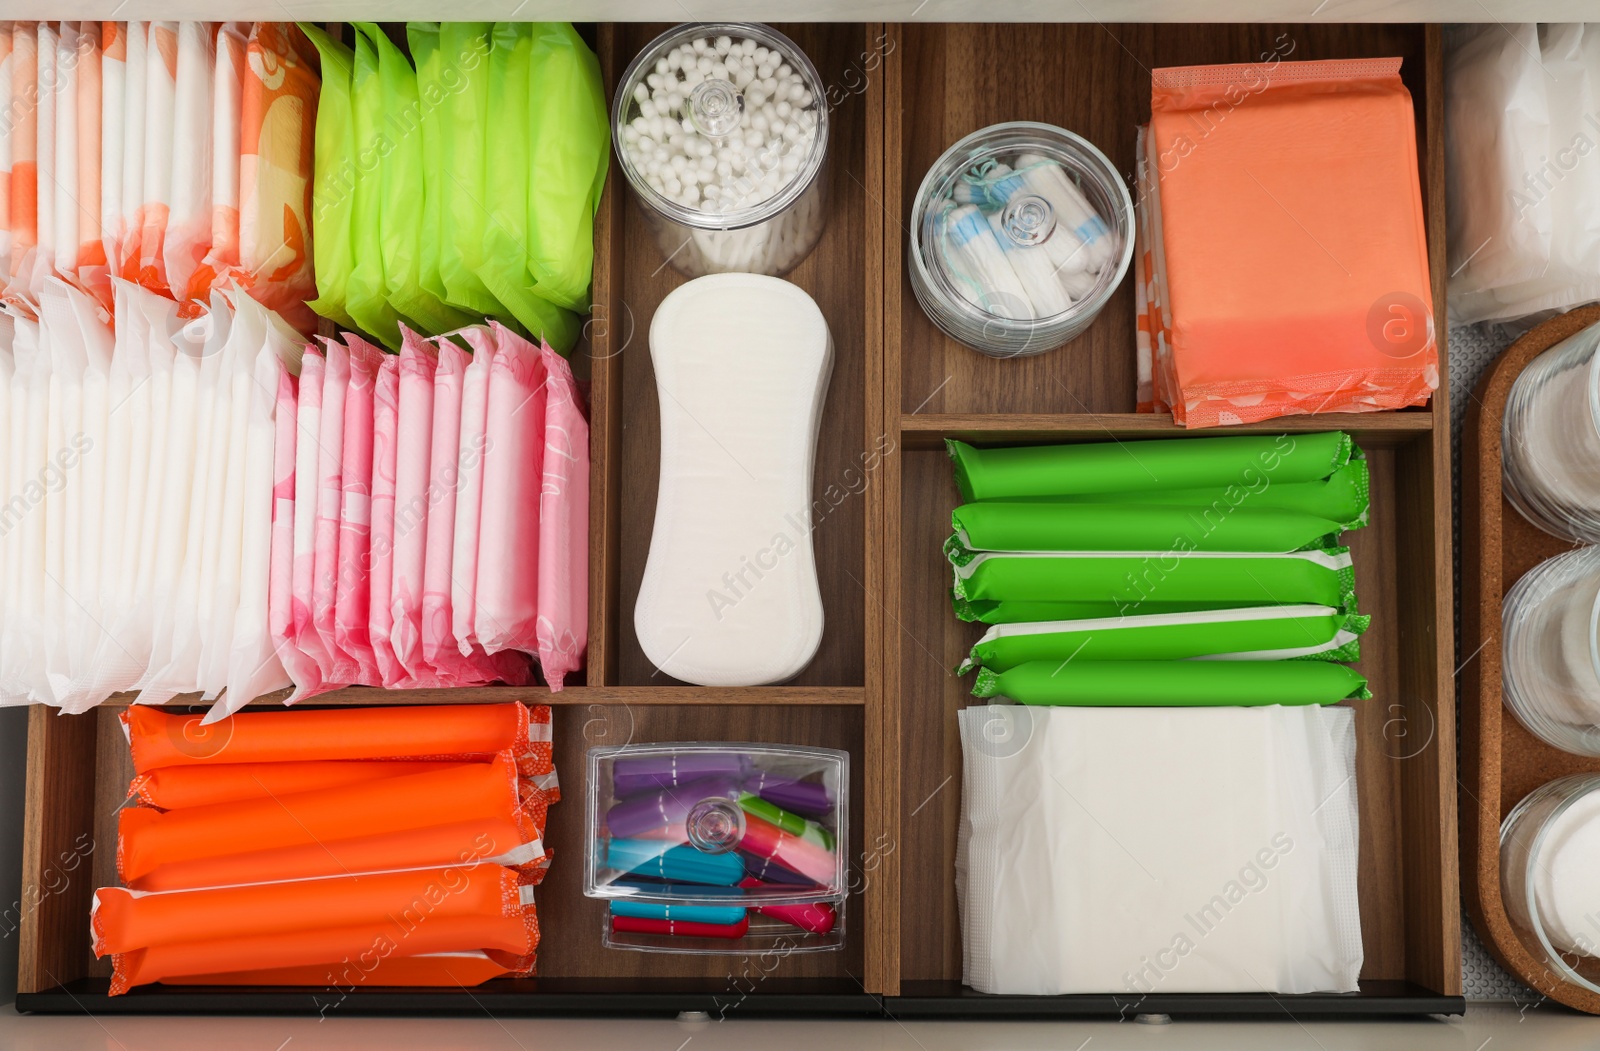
(209, 505)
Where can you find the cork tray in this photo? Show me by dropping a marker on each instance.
(1501, 762)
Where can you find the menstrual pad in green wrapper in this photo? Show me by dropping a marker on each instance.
(1341, 497)
(1128, 580)
(1173, 684)
(1019, 611)
(1138, 466)
(332, 183)
(1004, 526)
(1258, 634)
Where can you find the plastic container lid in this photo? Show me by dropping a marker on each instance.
(717, 109)
(1549, 844)
(1020, 233)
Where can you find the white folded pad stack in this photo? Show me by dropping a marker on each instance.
(730, 595)
(1167, 850)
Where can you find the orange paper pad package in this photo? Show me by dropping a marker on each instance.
(1283, 267)
(401, 845)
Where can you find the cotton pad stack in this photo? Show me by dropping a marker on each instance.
(1301, 178)
(377, 846)
(176, 155)
(430, 519)
(1175, 572)
(459, 183)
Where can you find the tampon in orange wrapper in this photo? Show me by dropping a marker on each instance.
(310, 922)
(159, 738)
(1290, 220)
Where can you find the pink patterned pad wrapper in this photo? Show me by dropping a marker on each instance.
(352, 591)
(563, 525)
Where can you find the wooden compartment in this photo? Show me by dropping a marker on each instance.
(942, 83)
(1501, 761)
(880, 685)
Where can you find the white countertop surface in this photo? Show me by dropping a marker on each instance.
(1486, 1027)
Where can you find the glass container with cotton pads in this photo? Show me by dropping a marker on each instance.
(722, 131)
(1549, 850)
(1020, 233)
(1551, 661)
(1550, 439)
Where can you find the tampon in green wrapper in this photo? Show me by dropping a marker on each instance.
(999, 525)
(1342, 497)
(1128, 580)
(1259, 634)
(793, 824)
(1173, 684)
(1147, 466)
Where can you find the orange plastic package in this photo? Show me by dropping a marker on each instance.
(371, 969)
(180, 787)
(457, 732)
(470, 810)
(305, 923)
(1295, 256)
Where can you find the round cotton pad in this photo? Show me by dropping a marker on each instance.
(730, 596)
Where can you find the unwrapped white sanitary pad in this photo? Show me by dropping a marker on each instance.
(1158, 850)
(730, 596)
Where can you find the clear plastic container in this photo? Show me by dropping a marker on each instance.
(1020, 233)
(716, 824)
(761, 933)
(1550, 439)
(1549, 854)
(1550, 664)
(721, 129)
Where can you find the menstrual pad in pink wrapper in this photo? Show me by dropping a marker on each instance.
(350, 615)
(280, 588)
(507, 611)
(341, 667)
(469, 488)
(418, 362)
(563, 630)
(302, 634)
(438, 644)
(385, 449)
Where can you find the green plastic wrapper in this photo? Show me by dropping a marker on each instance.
(1018, 611)
(1146, 466)
(1173, 684)
(1128, 580)
(332, 186)
(402, 198)
(464, 53)
(571, 137)
(366, 291)
(998, 525)
(1253, 634)
(793, 824)
(1342, 497)
(512, 186)
(433, 94)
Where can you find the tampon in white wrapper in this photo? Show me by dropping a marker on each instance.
(1032, 265)
(976, 256)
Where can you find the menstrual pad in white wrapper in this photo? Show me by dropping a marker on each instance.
(729, 596)
(1158, 850)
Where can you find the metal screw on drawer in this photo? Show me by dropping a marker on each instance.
(694, 1016)
(1153, 1019)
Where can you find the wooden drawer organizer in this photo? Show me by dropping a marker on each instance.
(881, 684)
(1501, 762)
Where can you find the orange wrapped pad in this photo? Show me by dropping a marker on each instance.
(372, 971)
(178, 787)
(307, 922)
(459, 732)
(481, 794)
(1292, 228)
